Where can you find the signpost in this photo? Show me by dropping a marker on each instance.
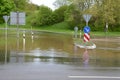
(6, 18)
(87, 28)
(86, 34)
(87, 18)
(17, 18)
(106, 28)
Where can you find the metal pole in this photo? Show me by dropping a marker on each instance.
(86, 23)
(17, 36)
(17, 24)
(6, 18)
(6, 43)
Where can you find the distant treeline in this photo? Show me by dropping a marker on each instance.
(104, 12)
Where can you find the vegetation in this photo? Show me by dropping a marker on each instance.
(69, 12)
(5, 7)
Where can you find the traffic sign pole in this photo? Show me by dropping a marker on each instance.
(87, 18)
(6, 18)
(86, 28)
(86, 23)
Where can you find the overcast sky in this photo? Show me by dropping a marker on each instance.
(48, 3)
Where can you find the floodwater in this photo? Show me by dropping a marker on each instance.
(53, 56)
(58, 48)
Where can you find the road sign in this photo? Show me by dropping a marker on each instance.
(6, 18)
(17, 18)
(87, 17)
(86, 29)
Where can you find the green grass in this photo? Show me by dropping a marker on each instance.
(61, 28)
(57, 28)
(109, 34)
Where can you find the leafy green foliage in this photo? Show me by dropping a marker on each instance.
(72, 16)
(59, 14)
(20, 4)
(106, 11)
(69, 11)
(103, 12)
(44, 16)
(5, 7)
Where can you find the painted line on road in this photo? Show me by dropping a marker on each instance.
(94, 77)
(107, 68)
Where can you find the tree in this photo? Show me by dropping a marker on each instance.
(59, 13)
(44, 16)
(59, 3)
(5, 7)
(108, 11)
(103, 12)
(31, 8)
(82, 5)
(72, 16)
(20, 4)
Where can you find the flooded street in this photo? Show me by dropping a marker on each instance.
(53, 56)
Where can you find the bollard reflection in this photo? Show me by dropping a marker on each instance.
(32, 38)
(23, 44)
(85, 57)
(75, 49)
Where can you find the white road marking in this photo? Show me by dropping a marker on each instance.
(107, 68)
(95, 77)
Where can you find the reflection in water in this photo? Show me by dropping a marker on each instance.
(23, 44)
(75, 49)
(86, 57)
(23, 34)
(32, 39)
(17, 51)
(57, 48)
(4, 58)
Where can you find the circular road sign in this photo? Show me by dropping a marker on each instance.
(86, 29)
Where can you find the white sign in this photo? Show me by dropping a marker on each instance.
(17, 18)
(22, 18)
(6, 18)
(13, 18)
(87, 17)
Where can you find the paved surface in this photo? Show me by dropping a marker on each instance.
(47, 71)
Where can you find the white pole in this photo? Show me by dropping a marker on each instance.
(17, 58)
(6, 43)
(6, 18)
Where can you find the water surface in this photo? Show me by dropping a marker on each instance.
(58, 49)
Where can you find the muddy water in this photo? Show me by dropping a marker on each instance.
(58, 49)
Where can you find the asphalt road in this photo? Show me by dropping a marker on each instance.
(50, 71)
